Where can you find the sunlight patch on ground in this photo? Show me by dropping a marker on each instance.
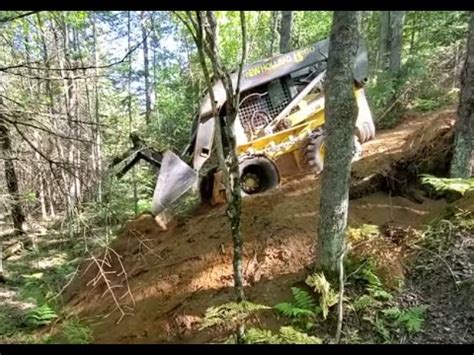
(49, 262)
(7, 298)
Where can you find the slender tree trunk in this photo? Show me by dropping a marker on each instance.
(414, 28)
(462, 164)
(397, 20)
(130, 119)
(11, 178)
(341, 113)
(233, 99)
(384, 32)
(146, 70)
(274, 29)
(360, 18)
(97, 132)
(285, 31)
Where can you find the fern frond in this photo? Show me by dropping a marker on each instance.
(230, 313)
(292, 311)
(328, 297)
(448, 184)
(303, 299)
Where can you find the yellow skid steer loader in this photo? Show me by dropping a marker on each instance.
(279, 127)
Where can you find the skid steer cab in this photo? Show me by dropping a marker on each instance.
(279, 128)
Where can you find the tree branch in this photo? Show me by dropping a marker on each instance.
(13, 18)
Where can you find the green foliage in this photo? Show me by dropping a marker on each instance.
(40, 316)
(76, 333)
(366, 273)
(410, 319)
(327, 296)
(303, 310)
(363, 302)
(443, 185)
(230, 313)
(286, 335)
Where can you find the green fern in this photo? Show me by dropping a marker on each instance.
(77, 333)
(380, 294)
(230, 313)
(303, 299)
(411, 319)
(292, 311)
(40, 316)
(441, 185)
(363, 302)
(304, 306)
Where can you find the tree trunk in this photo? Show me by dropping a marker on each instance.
(18, 216)
(384, 29)
(341, 113)
(232, 100)
(285, 31)
(146, 70)
(360, 17)
(463, 159)
(397, 20)
(97, 132)
(129, 90)
(274, 29)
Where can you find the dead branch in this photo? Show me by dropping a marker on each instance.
(104, 276)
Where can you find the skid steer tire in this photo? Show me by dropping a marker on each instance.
(313, 153)
(261, 171)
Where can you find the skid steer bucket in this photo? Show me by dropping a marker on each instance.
(174, 180)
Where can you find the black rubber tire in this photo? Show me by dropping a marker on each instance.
(265, 169)
(312, 154)
(315, 160)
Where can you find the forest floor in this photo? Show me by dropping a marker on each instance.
(154, 286)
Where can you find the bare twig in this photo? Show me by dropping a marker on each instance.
(103, 276)
(340, 306)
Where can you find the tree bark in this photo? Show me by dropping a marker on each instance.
(274, 29)
(96, 129)
(384, 29)
(463, 158)
(341, 113)
(11, 179)
(285, 31)
(232, 101)
(397, 20)
(146, 70)
(129, 90)
(360, 17)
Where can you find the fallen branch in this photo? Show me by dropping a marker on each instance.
(103, 275)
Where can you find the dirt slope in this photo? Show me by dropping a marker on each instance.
(171, 277)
